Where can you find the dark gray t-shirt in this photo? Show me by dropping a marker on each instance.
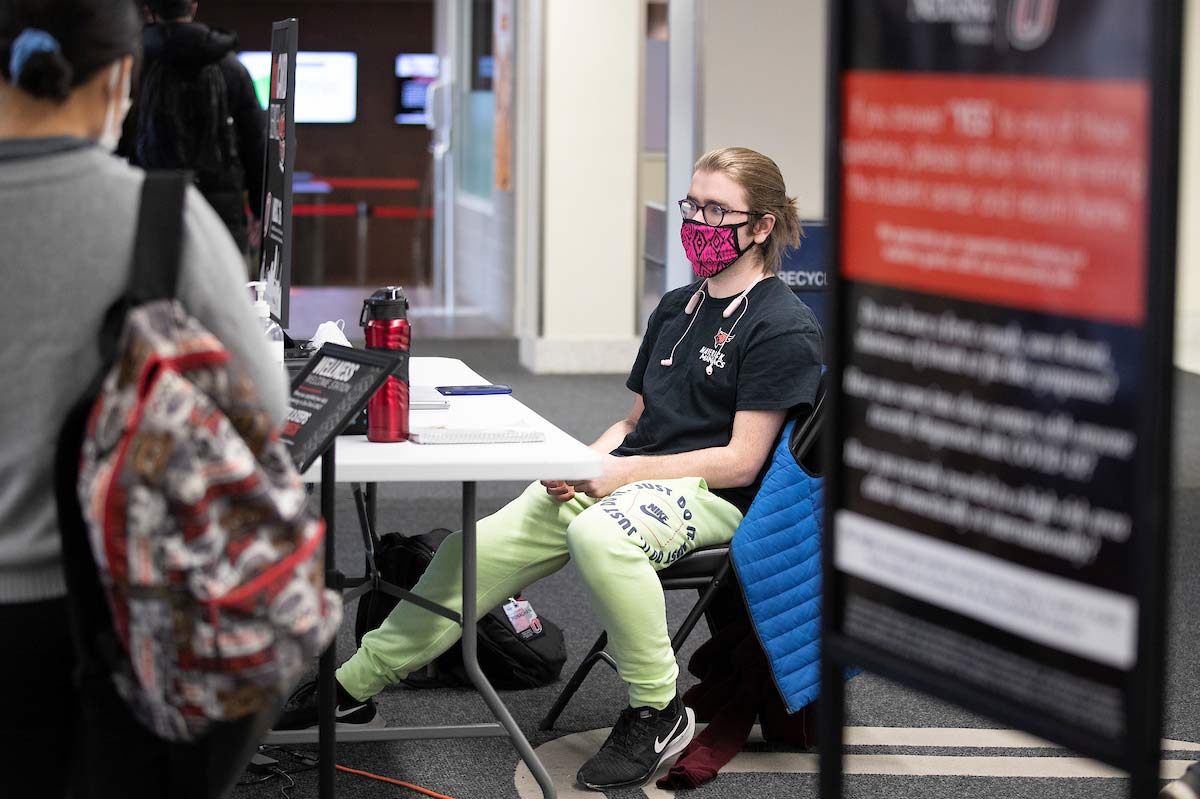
(766, 356)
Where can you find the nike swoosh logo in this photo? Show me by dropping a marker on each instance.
(341, 714)
(661, 744)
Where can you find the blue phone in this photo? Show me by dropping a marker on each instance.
(495, 388)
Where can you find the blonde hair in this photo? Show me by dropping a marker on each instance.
(765, 194)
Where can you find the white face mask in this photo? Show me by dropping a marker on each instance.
(330, 333)
(114, 116)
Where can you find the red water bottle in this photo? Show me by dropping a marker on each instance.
(384, 320)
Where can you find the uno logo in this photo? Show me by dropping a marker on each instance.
(1030, 22)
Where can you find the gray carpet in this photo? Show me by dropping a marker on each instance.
(484, 768)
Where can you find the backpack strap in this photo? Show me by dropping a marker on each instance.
(157, 254)
(159, 245)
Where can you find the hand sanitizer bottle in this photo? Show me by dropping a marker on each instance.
(271, 328)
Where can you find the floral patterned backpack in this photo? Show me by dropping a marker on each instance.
(194, 567)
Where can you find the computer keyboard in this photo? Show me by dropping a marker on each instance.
(461, 435)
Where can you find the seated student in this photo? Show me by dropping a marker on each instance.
(68, 212)
(722, 361)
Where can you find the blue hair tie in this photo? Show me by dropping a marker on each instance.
(31, 41)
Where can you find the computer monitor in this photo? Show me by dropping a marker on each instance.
(414, 73)
(326, 84)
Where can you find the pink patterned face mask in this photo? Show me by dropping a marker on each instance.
(710, 249)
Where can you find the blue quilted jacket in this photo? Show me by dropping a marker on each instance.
(777, 557)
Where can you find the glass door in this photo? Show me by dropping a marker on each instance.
(441, 124)
(472, 149)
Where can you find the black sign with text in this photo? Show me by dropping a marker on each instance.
(327, 394)
(275, 266)
(1004, 194)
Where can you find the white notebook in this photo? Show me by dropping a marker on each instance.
(474, 435)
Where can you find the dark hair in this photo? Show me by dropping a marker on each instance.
(170, 9)
(91, 34)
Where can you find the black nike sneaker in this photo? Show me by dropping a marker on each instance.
(639, 743)
(300, 712)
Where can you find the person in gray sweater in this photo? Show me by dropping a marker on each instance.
(68, 215)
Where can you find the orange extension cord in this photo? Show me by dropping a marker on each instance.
(408, 785)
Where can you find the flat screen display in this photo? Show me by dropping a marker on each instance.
(414, 73)
(326, 84)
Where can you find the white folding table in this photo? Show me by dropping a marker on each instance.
(359, 461)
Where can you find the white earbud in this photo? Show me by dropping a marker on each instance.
(733, 306)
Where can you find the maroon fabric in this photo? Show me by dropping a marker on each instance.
(735, 689)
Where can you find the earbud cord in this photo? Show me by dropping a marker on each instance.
(694, 305)
(745, 307)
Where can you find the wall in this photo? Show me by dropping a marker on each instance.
(589, 206)
(372, 146)
(654, 119)
(1187, 327)
(751, 74)
(764, 87)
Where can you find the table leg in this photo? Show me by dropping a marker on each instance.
(326, 695)
(470, 648)
(373, 506)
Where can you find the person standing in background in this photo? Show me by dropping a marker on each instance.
(68, 212)
(197, 110)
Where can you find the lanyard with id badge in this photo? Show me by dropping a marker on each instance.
(523, 618)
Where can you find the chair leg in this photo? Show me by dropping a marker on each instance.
(568, 691)
(597, 652)
(697, 612)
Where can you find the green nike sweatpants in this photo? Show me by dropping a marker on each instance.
(617, 543)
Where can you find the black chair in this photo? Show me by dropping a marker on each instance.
(705, 570)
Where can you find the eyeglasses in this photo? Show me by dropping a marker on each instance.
(713, 214)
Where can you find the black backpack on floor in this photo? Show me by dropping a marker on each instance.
(509, 659)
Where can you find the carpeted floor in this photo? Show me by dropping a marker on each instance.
(484, 768)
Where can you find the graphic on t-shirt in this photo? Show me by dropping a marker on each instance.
(714, 356)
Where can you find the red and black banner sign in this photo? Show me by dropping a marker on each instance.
(1003, 195)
